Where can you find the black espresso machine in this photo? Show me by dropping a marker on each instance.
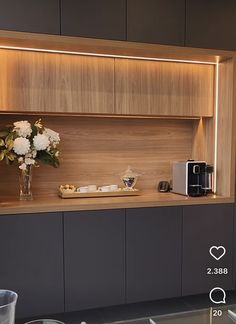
(192, 178)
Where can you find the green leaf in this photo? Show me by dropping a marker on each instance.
(2, 143)
(9, 137)
(2, 155)
(11, 156)
(9, 144)
(47, 158)
(34, 131)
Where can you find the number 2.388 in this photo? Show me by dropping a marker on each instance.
(217, 271)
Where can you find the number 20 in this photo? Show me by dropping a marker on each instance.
(217, 312)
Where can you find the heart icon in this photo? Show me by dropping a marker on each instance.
(217, 252)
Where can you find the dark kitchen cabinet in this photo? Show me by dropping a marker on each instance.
(31, 250)
(36, 16)
(156, 21)
(94, 259)
(211, 24)
(96, 19)
(153, 259)
(203, 227)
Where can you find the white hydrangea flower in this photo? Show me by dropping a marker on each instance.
(21, 145)
(20, 159)
(41, 142)
(23, 128)
(28, 155)
(29, 161)
(52, 135)
(22, 166)
(34, 154)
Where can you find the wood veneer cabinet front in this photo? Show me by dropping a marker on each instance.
(31, 249)
(153, 253)
(42, 82)
(211, 24)
(163, 88)
(36, 16)
(94, 259)
(96, 19)
(156, 21)
(205, 226)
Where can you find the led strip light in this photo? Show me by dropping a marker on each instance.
(42, 50)
(217, 72)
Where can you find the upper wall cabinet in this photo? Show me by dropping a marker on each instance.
(42, 82)
(96, 19)
(163, 88)
(156, 21)
(211, 24)
(38, 16)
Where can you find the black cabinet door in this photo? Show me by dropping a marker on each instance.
(153, 238)
(203, 227)
(94, 259)
(156, 21)
(96, 19)
(31, 249)
(39, 16)
(211, 24)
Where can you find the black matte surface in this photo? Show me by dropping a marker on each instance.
(39, 16)
(96, 19)
(203, 227)
(211, 24)
(156, 21)
(31, 251)
(153, 258)
(94, 259)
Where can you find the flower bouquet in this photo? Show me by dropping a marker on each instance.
(28, 145)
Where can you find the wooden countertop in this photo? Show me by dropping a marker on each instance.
(55, 204)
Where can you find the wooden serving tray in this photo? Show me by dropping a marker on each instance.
(96, 194)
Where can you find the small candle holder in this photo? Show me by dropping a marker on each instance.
(129, 179)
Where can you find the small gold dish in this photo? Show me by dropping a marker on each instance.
(67, 188)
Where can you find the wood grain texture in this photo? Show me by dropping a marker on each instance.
(203, 140)
(163, 88)
(205, 133)
(42, 204)
(59, 83)
(226, 122)
(98, 150)
(40, 82)
(101, 46)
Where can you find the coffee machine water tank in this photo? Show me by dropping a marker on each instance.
(207, 179)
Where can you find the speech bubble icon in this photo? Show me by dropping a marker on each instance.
(218, 299)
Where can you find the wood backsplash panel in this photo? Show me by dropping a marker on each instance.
(43, 82)
(98, 150)
(163, 88)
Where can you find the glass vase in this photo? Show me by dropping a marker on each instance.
(7, 306)
(25, 179)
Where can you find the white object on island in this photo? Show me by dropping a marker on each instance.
(105, 188)
(114, 187)
(83, 189)
(92, 188)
